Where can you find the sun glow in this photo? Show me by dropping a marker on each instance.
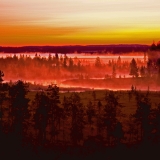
(64, 22)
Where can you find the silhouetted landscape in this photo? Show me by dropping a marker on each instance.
(50, 124)
(79, 79)
(99, 107)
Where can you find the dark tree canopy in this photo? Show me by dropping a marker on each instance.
(133, 68)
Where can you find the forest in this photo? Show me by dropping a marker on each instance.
(101, 71)
(36, 68)
(53, 122)
(78, 125)
(79, 80)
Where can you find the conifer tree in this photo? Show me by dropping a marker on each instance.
(133, 68)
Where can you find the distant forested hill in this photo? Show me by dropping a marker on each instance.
(79, 49)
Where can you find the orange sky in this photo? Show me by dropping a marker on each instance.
(78, 22)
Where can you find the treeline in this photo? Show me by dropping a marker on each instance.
(155, 47)
(48, 125)
(79, 49)
(47, 68)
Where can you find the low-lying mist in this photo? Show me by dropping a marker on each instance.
(86, 71)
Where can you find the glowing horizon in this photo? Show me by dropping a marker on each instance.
(78, 22)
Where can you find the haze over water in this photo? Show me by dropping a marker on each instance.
(90, 57)
(86, 59)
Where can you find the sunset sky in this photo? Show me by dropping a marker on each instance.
(79, 22)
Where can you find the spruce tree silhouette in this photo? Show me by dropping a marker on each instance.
(98, 62)
(4, 87)
(77, 122)
(99, 106)
(19, 108)
(131, 130)
(153, 46)
(90, 114)
(55, 110)
(19, 112)
(99, 117)
(65, 114)
(110, 115)
(100, 124)
(156, 124)
(133, 68)
(142, 116)
(65, 59)
(2, 97)
(41, 115)
(118, 132)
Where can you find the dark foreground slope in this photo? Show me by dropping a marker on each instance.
(93, 125)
